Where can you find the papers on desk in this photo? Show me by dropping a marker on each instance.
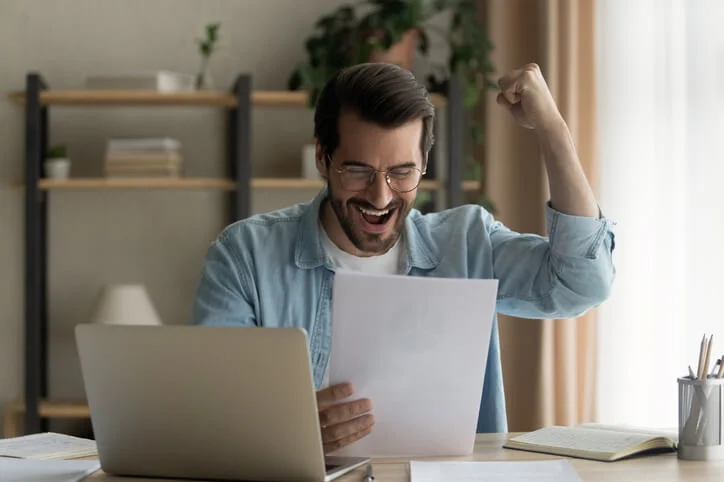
(22, 470)
(47, 446)
(417, 348)
(528, 471)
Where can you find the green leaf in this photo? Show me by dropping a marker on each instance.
(489, 84)
(424, 41)
(478, 133)
(212, 31)
(486, 203)
(295, 80)
(471, 96)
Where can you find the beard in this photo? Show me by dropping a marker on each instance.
(371, 243)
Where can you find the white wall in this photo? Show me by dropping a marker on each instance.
(157, 238)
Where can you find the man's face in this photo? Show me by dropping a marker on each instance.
(369, 221)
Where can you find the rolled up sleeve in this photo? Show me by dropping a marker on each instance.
(559, 276)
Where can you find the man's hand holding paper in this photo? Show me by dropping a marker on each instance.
(342, 423)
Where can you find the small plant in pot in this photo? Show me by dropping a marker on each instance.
(57, 163)
(207, 46)
(394, 31)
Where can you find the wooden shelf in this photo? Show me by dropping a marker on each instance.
(151, 98)
(15, 412)
(56, 409)
(131, 183)
(78, 184)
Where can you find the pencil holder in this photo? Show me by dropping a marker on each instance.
(701, 405)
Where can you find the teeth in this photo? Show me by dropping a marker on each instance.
(372, 212)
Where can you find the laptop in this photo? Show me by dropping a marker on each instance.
(201, 402)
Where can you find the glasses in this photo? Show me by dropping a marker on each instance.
(400, 179)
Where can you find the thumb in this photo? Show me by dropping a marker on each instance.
(501, 100)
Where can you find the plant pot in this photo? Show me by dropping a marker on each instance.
(402, 53)
(57, 168)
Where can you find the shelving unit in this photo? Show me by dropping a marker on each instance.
(94, 184)
(37, 406)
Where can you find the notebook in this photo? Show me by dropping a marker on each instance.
(47, 446)
(593, 441)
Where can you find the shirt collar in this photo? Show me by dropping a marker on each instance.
(309, 251)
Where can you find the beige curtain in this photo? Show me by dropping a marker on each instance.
(548, 365)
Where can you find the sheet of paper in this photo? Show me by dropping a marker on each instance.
(48, 445)
(22, 470)
(417, 348)
(527, 471)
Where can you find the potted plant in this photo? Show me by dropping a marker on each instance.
(57, 163)
(393, 31)
(207, 47)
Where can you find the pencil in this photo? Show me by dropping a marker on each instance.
(707, 357)
(700, 370)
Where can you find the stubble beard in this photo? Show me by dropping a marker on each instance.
(368, 242)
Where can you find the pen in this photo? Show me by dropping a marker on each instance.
(714, 369)
(721, 368)
(368, 474)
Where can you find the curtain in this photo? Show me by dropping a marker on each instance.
(548, 365)
(660, 78)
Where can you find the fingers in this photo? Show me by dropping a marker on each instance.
(337, 436)
(513, 83)
(344, 412)
(333, 394)
(338, 444)
(509, 88)
(342, 423)
(500, 99)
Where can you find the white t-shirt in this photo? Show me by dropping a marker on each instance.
(388, 263)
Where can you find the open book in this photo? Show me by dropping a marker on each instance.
(594, 441)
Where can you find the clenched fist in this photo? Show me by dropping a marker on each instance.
(526, 95)
(342, 423)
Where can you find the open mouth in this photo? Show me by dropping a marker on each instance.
(375, 221)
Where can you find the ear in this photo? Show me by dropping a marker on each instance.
(321, 161)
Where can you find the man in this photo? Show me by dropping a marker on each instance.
(374, 128)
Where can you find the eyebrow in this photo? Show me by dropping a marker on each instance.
(364, 164)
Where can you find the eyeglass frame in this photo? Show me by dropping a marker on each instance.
(373, 175)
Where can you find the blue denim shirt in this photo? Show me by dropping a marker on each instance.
(271, 270)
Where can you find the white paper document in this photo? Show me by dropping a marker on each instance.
(528, 471)
(417, 348)
(48, 445)
(22, 470)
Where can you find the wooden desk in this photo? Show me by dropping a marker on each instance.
(659, 468)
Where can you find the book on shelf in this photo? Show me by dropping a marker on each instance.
(163, 81)
(143, 158)
(150, 144)
(593, 441)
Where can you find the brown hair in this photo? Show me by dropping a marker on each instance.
(381, 93)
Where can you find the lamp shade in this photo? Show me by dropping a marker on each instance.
(124, 304)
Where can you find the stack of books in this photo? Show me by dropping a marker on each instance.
(143, 158)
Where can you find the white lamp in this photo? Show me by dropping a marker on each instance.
(124, 304)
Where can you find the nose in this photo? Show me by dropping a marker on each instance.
(381, 194)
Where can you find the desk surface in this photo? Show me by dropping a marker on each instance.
(659, 468)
